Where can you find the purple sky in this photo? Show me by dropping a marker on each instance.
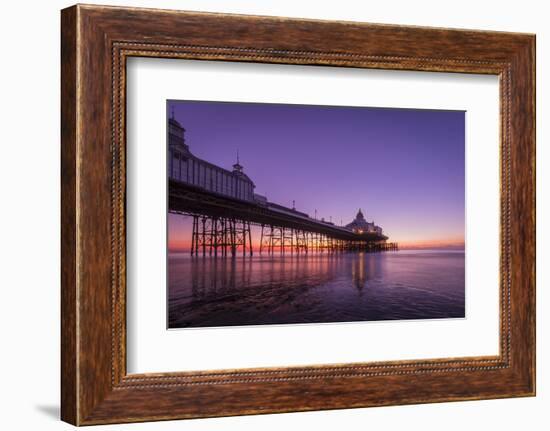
(403, 167)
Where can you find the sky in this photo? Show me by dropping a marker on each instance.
(403, 167)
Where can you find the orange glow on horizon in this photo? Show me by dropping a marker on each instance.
(447, 243)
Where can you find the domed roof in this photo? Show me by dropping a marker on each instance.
(360, 224)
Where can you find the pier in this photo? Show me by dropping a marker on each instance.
(223, 206)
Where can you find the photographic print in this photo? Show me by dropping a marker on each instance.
(303, 214)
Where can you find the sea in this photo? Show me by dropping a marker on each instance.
(315, 288)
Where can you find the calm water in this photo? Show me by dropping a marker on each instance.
(340, 287)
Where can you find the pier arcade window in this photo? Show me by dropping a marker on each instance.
(176, 166)
(202, 169)
(195, 173)
(184, 168)
(170, 164)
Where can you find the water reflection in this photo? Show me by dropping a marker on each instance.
(207, 291)
(365, 267)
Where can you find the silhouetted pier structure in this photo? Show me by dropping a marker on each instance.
(223, 206)
(222, 227)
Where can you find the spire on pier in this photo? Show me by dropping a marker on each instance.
(237, 166)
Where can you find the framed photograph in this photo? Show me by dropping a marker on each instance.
(264, 214)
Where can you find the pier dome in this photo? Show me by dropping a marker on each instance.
(361, 225)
